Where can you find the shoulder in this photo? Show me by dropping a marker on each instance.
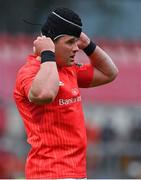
(28, 70)
(31, 65)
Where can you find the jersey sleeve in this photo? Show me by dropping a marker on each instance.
(85, 74)
(25, 78)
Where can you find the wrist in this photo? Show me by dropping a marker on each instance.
(47, 56)
(90, 48)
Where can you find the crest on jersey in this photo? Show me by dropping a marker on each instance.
(75, 91)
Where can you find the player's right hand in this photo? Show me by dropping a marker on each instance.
(43, 43)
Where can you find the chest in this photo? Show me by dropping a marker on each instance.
(68, 87)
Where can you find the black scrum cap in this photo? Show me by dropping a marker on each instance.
(60, 22)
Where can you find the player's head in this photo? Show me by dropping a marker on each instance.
(62, 21)
(64, 27)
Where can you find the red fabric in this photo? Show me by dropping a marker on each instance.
(85, 75)
(125, 88)
(55, 131)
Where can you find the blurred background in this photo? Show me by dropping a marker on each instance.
(112, 111)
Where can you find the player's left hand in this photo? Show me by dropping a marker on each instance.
(83, 41)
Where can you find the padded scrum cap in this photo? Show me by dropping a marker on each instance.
(62, 21)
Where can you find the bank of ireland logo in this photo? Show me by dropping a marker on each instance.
(74, 91)
(61, 83)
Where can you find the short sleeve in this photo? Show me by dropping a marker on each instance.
(25, 77)
(85, 74)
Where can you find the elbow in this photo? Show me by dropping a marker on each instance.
(47, 97)
(42, 98)
(113, 74)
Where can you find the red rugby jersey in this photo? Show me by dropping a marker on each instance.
(55, 131)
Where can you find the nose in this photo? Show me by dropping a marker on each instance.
(75, 47)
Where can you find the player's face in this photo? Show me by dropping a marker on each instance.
(65, 50)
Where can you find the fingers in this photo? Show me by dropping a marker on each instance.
(43, 43)
(41, 37)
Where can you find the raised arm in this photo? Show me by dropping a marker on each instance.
(45, 86)
(105, 70)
